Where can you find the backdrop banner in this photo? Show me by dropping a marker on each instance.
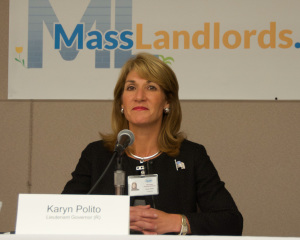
(219, 49)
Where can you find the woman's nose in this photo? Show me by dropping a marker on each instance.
(140, 94)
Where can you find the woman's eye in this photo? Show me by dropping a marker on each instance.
(130, 88)
(151, 87)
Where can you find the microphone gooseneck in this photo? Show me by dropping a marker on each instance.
(125, 138)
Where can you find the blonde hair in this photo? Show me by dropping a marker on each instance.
(153, 69)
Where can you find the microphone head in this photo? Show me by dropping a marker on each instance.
(128, 133)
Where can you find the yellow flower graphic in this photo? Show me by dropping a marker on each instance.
(19, 50)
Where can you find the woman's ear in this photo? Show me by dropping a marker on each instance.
(167, 105)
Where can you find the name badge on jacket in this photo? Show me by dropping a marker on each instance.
(143, 185)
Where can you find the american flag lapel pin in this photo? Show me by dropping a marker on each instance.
(179, 164)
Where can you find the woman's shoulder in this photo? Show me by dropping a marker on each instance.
(96, 147)
(191, 146)
(196, 153)
(98, 143)
(192, 150)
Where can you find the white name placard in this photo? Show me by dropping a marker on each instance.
(72, 214)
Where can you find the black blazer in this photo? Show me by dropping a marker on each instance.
(195, 191)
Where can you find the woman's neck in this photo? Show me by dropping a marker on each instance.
(146, 141)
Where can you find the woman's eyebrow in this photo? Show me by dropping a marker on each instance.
(130, 81)
(133, 81)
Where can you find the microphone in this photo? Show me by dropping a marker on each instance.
(125, 139)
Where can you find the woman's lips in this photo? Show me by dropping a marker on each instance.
(139, 108)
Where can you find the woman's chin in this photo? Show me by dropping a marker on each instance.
(142, 123)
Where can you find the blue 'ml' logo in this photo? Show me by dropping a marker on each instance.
(98, 12)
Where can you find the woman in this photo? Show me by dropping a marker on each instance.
(192, 199)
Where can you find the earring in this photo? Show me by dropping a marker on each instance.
(166, 110)
(122, 110)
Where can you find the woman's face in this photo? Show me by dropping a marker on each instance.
(143, 101)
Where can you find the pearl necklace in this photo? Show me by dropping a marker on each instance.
(142, 159)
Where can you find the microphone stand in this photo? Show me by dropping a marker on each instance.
(119, 178)
(119, 174)
(125, 138)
